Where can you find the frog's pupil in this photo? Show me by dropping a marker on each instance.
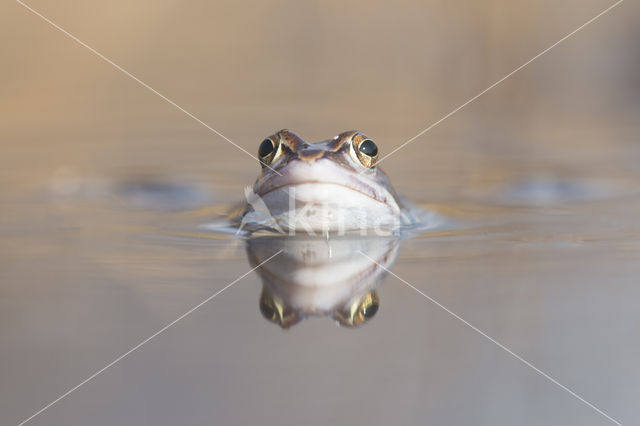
(266, 148)
(368, 147)
(370, 311)
(267, 311)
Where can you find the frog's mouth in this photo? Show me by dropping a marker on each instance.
(326, 196)
(325, 191)
(323, 182)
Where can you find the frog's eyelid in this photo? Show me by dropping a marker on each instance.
(278, 152)
(352, 152)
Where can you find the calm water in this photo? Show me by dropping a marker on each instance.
(106, 188)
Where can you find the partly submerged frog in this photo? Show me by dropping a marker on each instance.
(333, 185)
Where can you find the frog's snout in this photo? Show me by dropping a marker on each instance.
(310, 154)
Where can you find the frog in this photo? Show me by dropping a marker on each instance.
(334, 185)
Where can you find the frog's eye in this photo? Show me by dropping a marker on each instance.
(267, 151)
(274, 311)
(367, 152)
(360, 311)
(266, 147)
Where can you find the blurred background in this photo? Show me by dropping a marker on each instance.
(103, 185)
(389, 70)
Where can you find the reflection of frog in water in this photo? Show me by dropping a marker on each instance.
(335, 185)
(319, 277)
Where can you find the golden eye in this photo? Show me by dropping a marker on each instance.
(360, 311)
(276, 312)
(367, 151)
(267, 151)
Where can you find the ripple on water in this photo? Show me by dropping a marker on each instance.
(545, 190)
